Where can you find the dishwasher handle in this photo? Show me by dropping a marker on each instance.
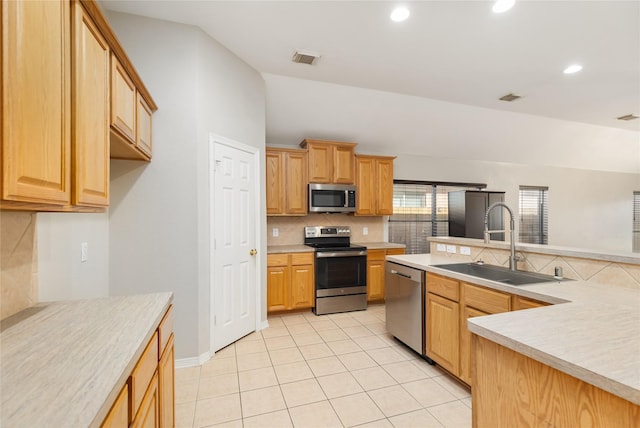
(395, 272)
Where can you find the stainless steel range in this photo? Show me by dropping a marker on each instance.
(340, 270)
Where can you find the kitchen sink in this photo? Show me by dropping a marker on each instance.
(499, 274)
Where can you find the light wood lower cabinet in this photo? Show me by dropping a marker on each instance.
(290, 281)
(147, 400)
(443, 339)
(376, 273)
(511, 389)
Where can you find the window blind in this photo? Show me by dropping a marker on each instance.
(636, 222)
(534, 215)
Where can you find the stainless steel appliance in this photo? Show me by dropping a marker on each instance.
(405, 289)
(340, 270)
(332, 198)
(466, 214)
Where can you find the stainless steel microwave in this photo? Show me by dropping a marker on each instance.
(332, 198)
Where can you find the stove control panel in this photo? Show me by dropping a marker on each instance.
(327, 231)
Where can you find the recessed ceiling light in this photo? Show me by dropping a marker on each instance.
(400, 14)
(503, 5)
(628, 117)
(573, 68)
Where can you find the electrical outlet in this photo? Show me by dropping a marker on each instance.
(275, 232)
(365, 230)
(84, 251)
(451, 249)
(465, 251)
(441, 247)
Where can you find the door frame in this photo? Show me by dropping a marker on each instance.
(255, 152)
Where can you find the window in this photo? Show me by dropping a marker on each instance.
(534, 215)
(420, 210)
(636, 222)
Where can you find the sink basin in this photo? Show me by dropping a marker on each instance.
(498, 273)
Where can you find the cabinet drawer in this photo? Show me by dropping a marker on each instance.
(485, 299)
(277, 259)
(519, 303)
(143, 373)
(395, 251)
(376, 255)
(301, 259)
(165, 330)
(442, 286)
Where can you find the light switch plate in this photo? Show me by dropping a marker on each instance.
(441, 247)
(451, 249)
(465, 251)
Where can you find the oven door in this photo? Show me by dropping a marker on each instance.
(341, 273)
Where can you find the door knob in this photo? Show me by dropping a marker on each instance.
(253, 252)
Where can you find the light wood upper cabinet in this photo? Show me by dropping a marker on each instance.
(123, 102)
(90, 112)
(374, 179)
(36, 99)
(330, 161)
(286, 181)
(143, 125)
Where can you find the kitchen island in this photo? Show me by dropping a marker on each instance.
(591, 332)
(63, 364)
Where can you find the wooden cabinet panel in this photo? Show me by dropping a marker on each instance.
(123, 102)
(395, 251)
(302, 287)
(375, 280)
(445, 287)
(90, 118)
(519, 303)
(296, 201)
(277, 285)
(166, 386)
(143, 125)
(274, 183)
(118, 416)
(344, 167)
(165, 330)
(143, 373)
(384, 174)
(465, 342)
(148, 415)
(277, 259)
(485, 299)
(366, 198)
(320, 163)
(302, 258)
(36, 96)
(443, 332)
(376, 255)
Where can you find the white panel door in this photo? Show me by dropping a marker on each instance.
(234, 280)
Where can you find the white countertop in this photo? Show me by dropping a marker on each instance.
(62, 364)
(592, 332)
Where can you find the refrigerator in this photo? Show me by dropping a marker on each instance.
(466, 214)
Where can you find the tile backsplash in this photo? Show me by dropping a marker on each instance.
(291, 229)
(18, 262)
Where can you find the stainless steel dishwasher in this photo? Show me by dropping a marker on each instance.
(404, 301)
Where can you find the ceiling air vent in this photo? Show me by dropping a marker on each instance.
(304, 57)
(628, 117)
(509, 97)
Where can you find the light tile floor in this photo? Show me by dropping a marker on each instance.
(338, 370)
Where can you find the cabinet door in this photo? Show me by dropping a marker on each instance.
(275, 184)
(375, 280)
(123, 102)
(520, 303)
(320, 163)
(302, 287)
(147, 416)
(296, 183)
(443, 332)
(384, 174)
(118, 416)
(36, 95)
(365, 173)
(166, 386)
(143, 125)
(277, 288)
(465, 342)
(90, 112)
(344, 167)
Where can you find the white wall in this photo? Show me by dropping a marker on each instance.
(587, 209)
(159, 211)
(61, 274)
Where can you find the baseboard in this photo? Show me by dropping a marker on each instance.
(193, 361)
(264, 324)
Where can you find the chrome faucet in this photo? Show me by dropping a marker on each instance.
(487, 233)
